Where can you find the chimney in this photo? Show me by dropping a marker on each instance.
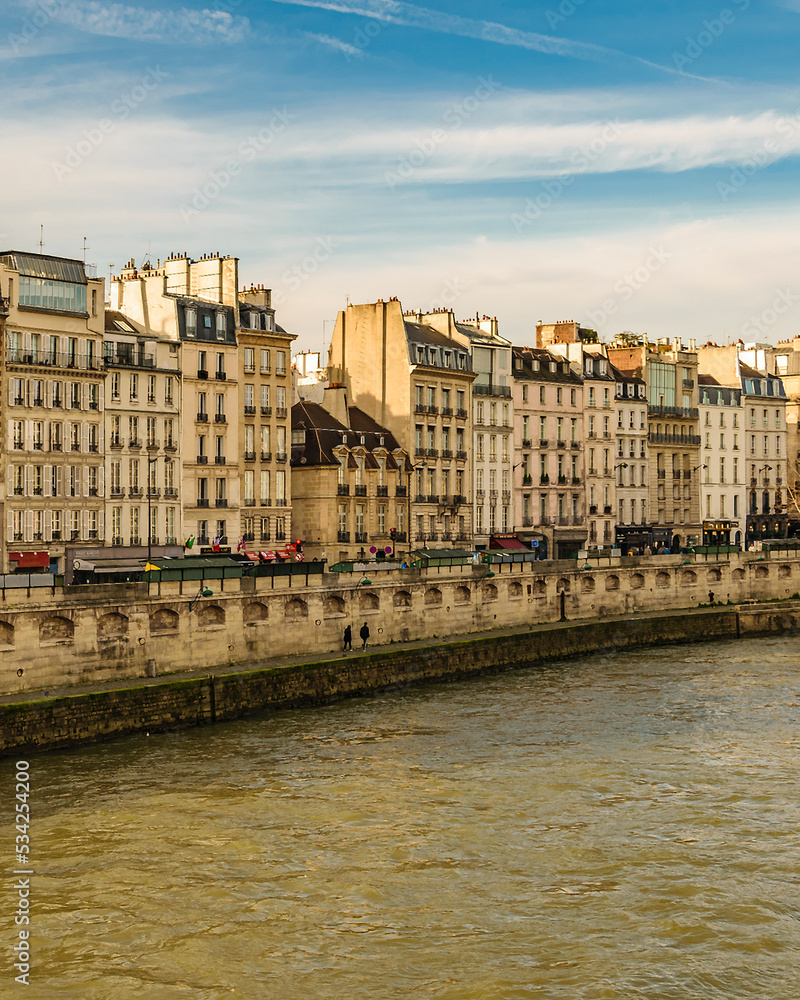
(335, 402)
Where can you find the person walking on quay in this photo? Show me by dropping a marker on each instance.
(364, 633)
(711, 598)
(348, 639)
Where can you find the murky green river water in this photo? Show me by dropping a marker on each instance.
(622, 826)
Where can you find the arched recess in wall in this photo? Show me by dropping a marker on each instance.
(738, 575)
(163, 620)
(662, 579)
(489, 592)
(761, 572)
(515, 589)
(333, 606)
(612, 582)
(539, 588)
(401, 599)
(462, 595)
(637, 581)
(369, 601)
(296, 609)
(112, 626)
(563, 585)
(587, 584)
(784, 572)
(6, 635)
(210, 616)
(255, 613)
(55, 631)
(714, 576)
(688, 578)
(433, 596)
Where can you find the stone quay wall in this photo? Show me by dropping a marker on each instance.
(158, 705)
(90, 635)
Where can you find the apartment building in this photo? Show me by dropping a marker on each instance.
(548, 453)
(632, 461)
(723, 491)
(52, 408)
(265, 420)
(142, 422)
(787, 366)
(492, 420)
(670, 373)
(764, 434)
(350, 482)
(416, 382)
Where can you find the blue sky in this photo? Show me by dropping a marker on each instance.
(630, 165)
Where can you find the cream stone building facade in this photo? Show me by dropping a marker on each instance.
(235, 386)
(52, 405)
(549, 453)
(350, 482)
(723, 489)
(416, 382)
(632, 461)
(670, 373)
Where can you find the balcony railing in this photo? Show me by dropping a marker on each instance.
(202, 502)
(220, 418)
(221, 502)
(343, 536)
(383, 491)
(219, 459)
(57, 359)
(461, 455)
(249, 456)
(249, 411)
(361, 537)
(202, 459)
(266, 411)
(462, 413)
(266, 456)
(361, 491)
(401, 491)
(492, 390)
(343, 489)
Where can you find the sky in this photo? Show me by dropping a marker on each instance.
(630, 165)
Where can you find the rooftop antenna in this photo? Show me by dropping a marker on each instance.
(85, 248)
(41, 238)
(147, 255)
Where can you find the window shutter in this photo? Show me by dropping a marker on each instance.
(100, 526)
(48, 480)
(101, 439)
(28, 525)
(84, 524)
(59, 481)
(28, 426)
(86, 480)
(48, 526)
(10, 481)
(84, 438)
(101, 481)
(10, 526)
(28, 480)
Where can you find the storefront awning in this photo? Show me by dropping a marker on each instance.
(30, 560)
(506, 543)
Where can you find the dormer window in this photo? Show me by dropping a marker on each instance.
(191, 322)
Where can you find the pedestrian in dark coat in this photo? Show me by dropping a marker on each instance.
(711, 598)
(364, 633)
(348, 639)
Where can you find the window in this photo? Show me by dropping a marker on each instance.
(191, 322)
(264, 362)
(249, 359)
(280, 362)
(168, 387)
(524, 394)
(134, 388)
(249, 401)
(221, 326)
(151, 388)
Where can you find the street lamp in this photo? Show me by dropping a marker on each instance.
(202, 592)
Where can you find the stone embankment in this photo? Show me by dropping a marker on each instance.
(83, 666)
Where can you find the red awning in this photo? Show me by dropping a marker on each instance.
(30, 560)
(506, 543)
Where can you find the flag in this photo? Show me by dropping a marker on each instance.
(150, 568)
(240, 546)
(217, 543)
(189, 543)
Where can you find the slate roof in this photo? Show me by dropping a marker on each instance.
(324, 433)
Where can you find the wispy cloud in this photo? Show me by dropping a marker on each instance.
(184, 25)
(336, 43)
(410, 15)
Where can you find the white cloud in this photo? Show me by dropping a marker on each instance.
(336, 43)
(181, 26)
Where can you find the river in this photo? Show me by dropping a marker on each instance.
(619, 826)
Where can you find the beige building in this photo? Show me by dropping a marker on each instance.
(632, 462)
(142, 434)
(416, 382)
(549, 454)
(52, 408)
(234, 403)
(350, 482)
(723, 490)
(670, 373)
